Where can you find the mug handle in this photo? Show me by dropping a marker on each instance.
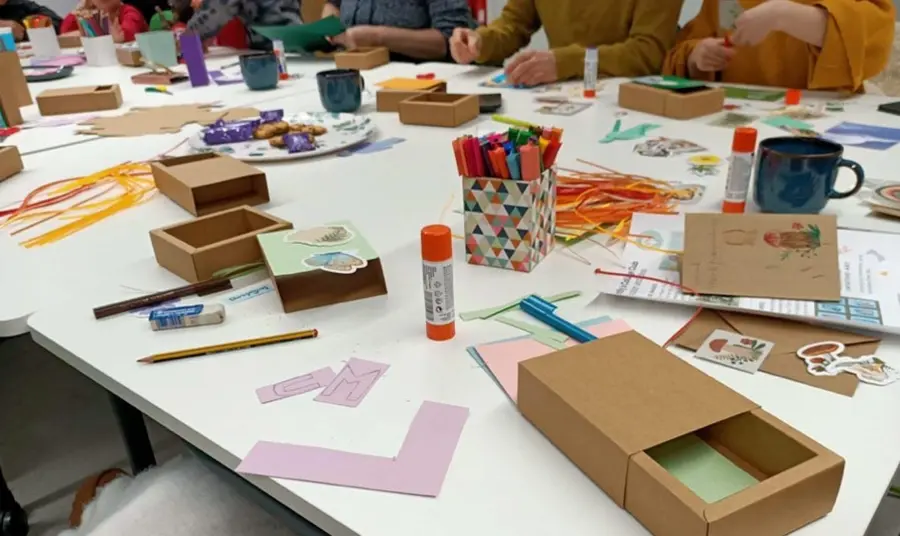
(860, 178)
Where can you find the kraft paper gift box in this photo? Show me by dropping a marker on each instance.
(439, 109)
(509, 223)
(363, 58)
(73, 100)
(681, 452)
(209, 182)
(676, 103)
(10, 162)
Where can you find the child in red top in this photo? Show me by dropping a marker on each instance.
(124, 20)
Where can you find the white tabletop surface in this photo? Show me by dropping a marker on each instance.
(505, 478)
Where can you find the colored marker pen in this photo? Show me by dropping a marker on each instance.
(743, 147)
(590, 73)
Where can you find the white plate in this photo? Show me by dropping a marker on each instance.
(344, 131)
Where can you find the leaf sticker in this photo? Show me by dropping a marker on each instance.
(321, 236)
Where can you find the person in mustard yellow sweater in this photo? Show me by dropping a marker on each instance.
(801, 44)
(631, 36)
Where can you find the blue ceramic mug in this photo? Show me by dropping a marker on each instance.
(797, 175)
(260, 71)
(341, 90)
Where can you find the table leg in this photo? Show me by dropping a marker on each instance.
(13, 520)
(134, 433)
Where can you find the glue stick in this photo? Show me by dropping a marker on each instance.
(437, 281)
(743, 147)
(278, 49)
(590, 73)
(792, 97)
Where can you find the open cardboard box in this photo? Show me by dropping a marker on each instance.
(388, 100)
(681, 452)
(362, 58)
(195, 250)
(10, 162)
(439, 109)
(73, 100)
(209, 182)
(130, 57)
(686, 103)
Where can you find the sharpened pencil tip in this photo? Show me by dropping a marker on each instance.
(145, 360)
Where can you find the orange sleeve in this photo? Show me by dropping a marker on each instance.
(858, 43)
(705, 24)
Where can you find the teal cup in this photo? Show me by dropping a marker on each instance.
(797, 175)
(341, 90)
(260, 71)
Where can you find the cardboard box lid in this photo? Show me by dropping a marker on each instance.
(638, 394)
(207, 171)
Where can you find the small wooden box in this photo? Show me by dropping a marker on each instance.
(70, 41)
(73, 100)
(363, 58)
(388, 100)
(10, 162)
(439, 109)
(209, 182)
(668, 103)
(130, 57)
(10, 114)
(195, 250)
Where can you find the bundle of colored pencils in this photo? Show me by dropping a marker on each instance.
(518, 154)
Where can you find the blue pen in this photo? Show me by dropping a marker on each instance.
(542, 310)
(512, 162)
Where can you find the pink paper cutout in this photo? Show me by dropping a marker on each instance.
(503, 358)
(418, 469)
(352, 383)
(316, 379)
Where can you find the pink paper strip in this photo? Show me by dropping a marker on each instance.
(352, 383)
(316, 379)
(419, 468)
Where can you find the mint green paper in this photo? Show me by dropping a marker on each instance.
(286, 258)
(706, 472)
(304, 37)
(158, 48)
(746, 93)
(783, 121)
(668, 82)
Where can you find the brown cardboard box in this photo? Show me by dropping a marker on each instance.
(10, 162)
(73, 100)
(667, 103)
(70, 41)
(612, 404)
(363, 58)
(439, 109)
(209, 182)
(195, 250)
(13, 79)
(130, 57)
(388, 100)
(9, 108)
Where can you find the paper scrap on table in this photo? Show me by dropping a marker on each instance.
(352, 383)
(789, 256)
(315, 380)
(733, 120)
(783, 121)
(633, 133)
(735, 350)
(418, 469)
(873, 137)
(225, 77)
(744, 93)
(826, 358)
(564, 109)
(664, 147)
(484, 314)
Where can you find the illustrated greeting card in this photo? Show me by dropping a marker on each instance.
(735, 350)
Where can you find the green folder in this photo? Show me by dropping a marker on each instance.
(310, 37)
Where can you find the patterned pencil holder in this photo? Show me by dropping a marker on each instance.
(509, 223)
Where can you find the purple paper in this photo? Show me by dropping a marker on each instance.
(223, 79)
(60, 61)
(353, 382)
(418, 469)
(271, 116)
(228, 133)
(316, 379)
(192, 53)
(299, 142)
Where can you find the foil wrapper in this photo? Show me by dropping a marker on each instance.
(271, 116)
(228, 132)
(299, 142)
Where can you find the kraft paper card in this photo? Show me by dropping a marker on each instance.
(762, 255)
(788, 337)
(162, 119)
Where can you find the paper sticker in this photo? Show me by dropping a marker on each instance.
(564, 109)
(704, 165)
(826, 359)
(688, 194)
(353, 383)
(336, 262)
(316, 379)
(733, 120)
(321, 236)
(834, 106)
(889, 194)
(802, 112)
(666, 147)
(735, 350)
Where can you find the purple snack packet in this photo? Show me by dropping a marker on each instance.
(299, 142)
(271, 116)
(228, 133)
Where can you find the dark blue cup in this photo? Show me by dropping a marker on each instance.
(797, 175)
(341, 90)
(260, 71)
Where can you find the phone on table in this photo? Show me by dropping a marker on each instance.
(490, 102)
(890, 108)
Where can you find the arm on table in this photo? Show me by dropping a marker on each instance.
(212, 16)
(677, 61)
(511, 31)
(331, 8)
(430, 43)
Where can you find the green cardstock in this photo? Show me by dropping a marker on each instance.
(304, 37)
(746, 93)
(668, 82)
(706, 472)
(783, 121)
(286, 257)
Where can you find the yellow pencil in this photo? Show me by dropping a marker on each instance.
(512, 121)
(230, 346)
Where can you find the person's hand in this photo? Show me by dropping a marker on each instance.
(115, 29)
(358, 37)
(17, 29)
(465, 45)
(710, 55)
(757, 23)
(532, 68)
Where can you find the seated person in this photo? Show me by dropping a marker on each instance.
(13, 12)
(232, 35)
(804, 44)
(124, 20)
(411, 29)
(631, 37)
(212, 16)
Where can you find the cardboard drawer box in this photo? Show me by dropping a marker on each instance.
(439, 109)
(10, 162)
(681, 452)
(73, 100)
(388, 100)
(195, 250)
(210, 182)
(363, 58)
(668, 103)
(130, 57)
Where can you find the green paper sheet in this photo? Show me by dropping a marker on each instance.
(783, 121)
(287, 258)
(304, 37)
(156, 22)
(633, 133)
(668, 82)
(746, 93)
(706, 472)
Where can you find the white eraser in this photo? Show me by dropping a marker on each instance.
(187, 316)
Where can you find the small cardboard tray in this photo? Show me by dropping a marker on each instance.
(10, 162)
(73, 100)
(684, 104)
(195, 250)
(439, 109)
(388, 100)
(363, 58)
(210, 182)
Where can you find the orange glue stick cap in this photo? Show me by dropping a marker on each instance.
(744, 140)
(792, 97)
(437, 280)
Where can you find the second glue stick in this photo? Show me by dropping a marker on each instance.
(590, 73)
(437, 282)
(743, 147)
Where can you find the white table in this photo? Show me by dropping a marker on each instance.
(505, 477)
